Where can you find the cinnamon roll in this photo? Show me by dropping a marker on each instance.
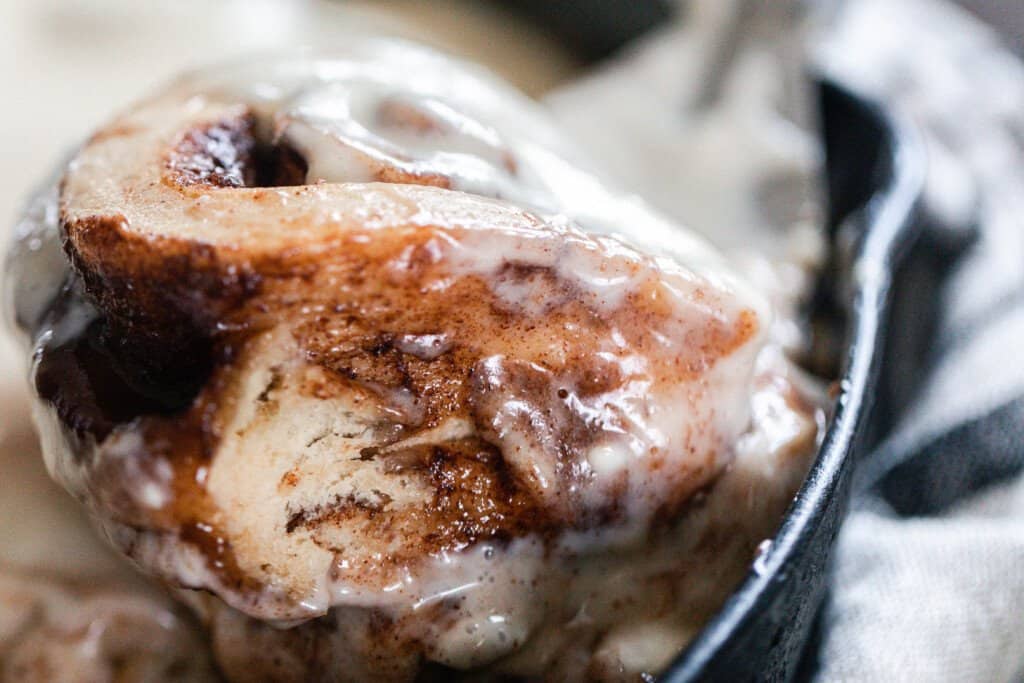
(351, 354)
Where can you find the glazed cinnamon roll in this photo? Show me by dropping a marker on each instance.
(347, 352)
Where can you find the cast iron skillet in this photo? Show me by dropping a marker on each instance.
(875, 172)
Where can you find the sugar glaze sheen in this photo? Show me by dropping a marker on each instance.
(466, 410)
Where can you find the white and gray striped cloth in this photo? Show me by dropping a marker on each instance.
(929, 582)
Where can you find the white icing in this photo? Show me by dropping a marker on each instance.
(330, 110)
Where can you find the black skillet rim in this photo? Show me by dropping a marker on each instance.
(887, 226)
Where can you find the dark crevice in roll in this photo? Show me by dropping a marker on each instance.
(229, 153)
(96, 383)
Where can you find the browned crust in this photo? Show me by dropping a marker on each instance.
(154, 281)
